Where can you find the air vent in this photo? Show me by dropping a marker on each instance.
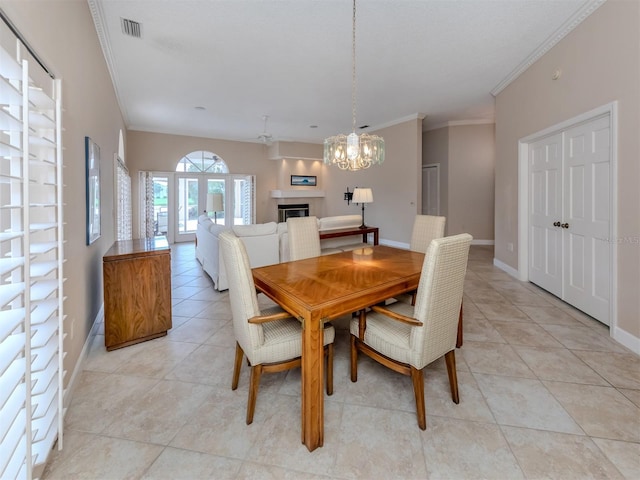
(131, 27)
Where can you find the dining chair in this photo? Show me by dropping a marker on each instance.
(407, 338)
(304, 237)
(425, 229)
(271, 339)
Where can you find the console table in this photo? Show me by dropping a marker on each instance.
(137, 291)
(345, 232)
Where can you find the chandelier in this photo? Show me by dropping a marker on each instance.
(353, 152)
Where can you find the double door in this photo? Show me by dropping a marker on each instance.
(570, 214)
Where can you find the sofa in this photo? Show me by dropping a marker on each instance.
(266, 243)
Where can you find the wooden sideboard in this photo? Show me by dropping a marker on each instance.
(345, 232)
(137, 291)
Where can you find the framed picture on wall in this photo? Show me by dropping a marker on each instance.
(301, 180)
(92, 155)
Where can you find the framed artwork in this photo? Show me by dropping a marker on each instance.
(92, 155)
(308, 180)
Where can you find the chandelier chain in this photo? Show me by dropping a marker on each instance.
(353, 152)
(353, 71)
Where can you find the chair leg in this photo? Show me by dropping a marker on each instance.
(450, 360)
(330, 369)
(354, 360)
(417, 378)
(254, 384)
(236, 366)
(459, 338)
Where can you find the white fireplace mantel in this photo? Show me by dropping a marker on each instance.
(297, 193)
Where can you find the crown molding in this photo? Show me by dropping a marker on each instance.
(414, 116)
(460, 123)
(587, 9)
(99, 20)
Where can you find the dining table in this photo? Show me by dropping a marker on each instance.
(320, 289)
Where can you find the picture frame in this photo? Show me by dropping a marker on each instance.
(304, 180)
(92, 157)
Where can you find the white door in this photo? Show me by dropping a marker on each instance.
(545, 210)
(431, 189)
(587, 206)
(569, 215)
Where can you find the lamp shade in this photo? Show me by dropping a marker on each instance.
(214, 202)
(362, 195)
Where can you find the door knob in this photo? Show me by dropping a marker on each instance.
(556, 224)
(565, 225)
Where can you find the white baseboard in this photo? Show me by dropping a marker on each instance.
(506, 268)
(68, 392)
(625, 338)
(393, 243)
(483, 242)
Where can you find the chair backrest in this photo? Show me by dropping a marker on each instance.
(439, 298)
(242, 292)
(304, 237)
(425, 229)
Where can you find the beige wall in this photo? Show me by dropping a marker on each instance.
(471, 180)
(63, 34)
(162, 152)
(466, 154)
(396, 183)
(600, 63)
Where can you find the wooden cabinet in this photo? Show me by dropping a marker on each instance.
(137, 291)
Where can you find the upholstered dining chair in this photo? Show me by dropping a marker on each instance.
(425, 229)
(407, 338)
(304, 237)
(270, 339)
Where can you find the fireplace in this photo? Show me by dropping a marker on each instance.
(292, 210)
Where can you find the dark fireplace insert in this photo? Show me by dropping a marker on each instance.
(292, 210)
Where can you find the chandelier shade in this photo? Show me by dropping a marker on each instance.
(353, 152)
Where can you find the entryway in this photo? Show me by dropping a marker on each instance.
(567, 211)
(431, 189)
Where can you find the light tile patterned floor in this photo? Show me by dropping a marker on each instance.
(545, 393)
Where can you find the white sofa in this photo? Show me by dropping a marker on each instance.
(260, 240)
(266, 243)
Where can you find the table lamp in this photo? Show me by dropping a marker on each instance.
(214, 204)
(362, 195)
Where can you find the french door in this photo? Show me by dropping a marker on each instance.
(570, 214)
(178, 200)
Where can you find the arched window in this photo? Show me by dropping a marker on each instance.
(202, 162)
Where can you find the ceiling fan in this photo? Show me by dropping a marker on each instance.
(265, 137)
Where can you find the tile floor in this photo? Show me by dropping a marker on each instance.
(545, 393)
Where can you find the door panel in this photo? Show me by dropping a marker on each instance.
(545, 206)
(431, 189)
(587, 198)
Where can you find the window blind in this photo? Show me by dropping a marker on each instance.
(31, 263)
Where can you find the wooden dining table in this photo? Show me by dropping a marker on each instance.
(319, 289)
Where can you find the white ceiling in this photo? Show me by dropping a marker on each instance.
(291, 60)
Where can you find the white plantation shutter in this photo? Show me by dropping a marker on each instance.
(123, 201)
(146, 205)
(31, 261)
(248, 201)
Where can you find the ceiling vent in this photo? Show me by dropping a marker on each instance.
(131, 27)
